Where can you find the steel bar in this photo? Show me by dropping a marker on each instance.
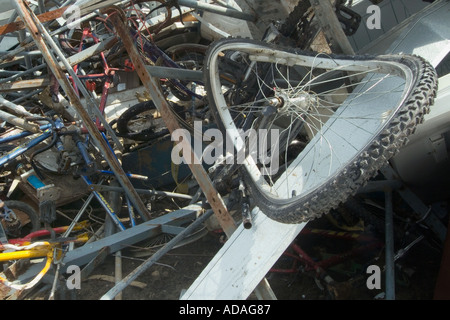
(233, 13)
(24, 85)
(24, 97)
(21, 74)
(214, 199)
(118, 272)
(131, 236)
(100, 188)
(75, 101)
(226, 221)
(22, 36)
(175, 73)
(114, 291)
(17, 109)
(23, 54)
(95, 262)
(389, 239)
(19, 122)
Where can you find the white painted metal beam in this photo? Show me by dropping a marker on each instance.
(244, 260)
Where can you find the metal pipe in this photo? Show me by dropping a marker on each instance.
(389, 238)
(233, 13)
(78, 216)
(96, 187)
(17, 109)
(29, 70)
(19, 122)
(26, 96)
(331, 26)
(22, 36)
(175, 73)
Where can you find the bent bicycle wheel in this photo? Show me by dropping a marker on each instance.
(324, 124)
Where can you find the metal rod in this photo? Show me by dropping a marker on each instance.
(389, 238)
(226, 221)
(233, 13)
(96, 187)
(26, 96)
(118, 271)
(154, 258)
(29, 70)
(78, 216)
(17, 109)
(19, 122)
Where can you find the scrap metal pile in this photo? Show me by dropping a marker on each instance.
(79, 123)
(99, 101)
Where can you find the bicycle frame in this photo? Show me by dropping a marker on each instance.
(26, 145)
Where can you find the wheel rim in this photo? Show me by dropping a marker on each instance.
(349, 128)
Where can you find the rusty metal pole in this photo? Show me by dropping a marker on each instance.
(30, 21)
(263, 289)
(226, 221)
(331, 26)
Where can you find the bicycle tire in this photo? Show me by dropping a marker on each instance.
(370, 139)
(146, 133)
(146, 130)
(189, 56)
(24, 212)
